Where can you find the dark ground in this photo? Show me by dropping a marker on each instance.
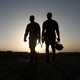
(15, 66)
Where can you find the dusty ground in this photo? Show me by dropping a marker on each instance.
(15, 66)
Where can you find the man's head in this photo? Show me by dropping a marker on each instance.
(32, 18)
(49, 15)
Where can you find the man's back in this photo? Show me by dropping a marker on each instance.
(50, 26)
(50, 31)
(33, 29)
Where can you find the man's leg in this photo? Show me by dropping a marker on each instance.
(54, 51)
(31, 46)
(33, 52)
(31, 55)
(47, 53)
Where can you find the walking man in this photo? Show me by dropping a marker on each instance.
(33, 29)
(50, 30)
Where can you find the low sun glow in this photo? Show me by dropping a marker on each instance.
(40, 48)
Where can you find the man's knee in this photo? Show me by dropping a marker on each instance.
(47, 50)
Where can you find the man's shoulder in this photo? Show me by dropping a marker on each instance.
(55, 21)
(45, 21)
(50, 20)
(28, 24)
(36, 23)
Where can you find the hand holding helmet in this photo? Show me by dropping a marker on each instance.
(58, 39)
(58, 46)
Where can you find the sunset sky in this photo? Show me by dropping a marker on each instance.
(14, 16)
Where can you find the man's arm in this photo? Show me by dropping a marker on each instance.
(43, 32)
(58, 33)
(43, 29)
(26, 33)
(39, 34)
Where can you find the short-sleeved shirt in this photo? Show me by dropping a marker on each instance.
(50, 26)
(34, 31)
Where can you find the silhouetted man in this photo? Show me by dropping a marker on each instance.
(33, 29)
(49, 30)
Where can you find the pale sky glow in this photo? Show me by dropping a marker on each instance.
(14, 16)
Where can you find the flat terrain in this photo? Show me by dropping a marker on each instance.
(15, 66)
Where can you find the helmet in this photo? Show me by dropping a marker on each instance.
(59, 46)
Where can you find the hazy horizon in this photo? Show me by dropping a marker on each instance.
(14, 16)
